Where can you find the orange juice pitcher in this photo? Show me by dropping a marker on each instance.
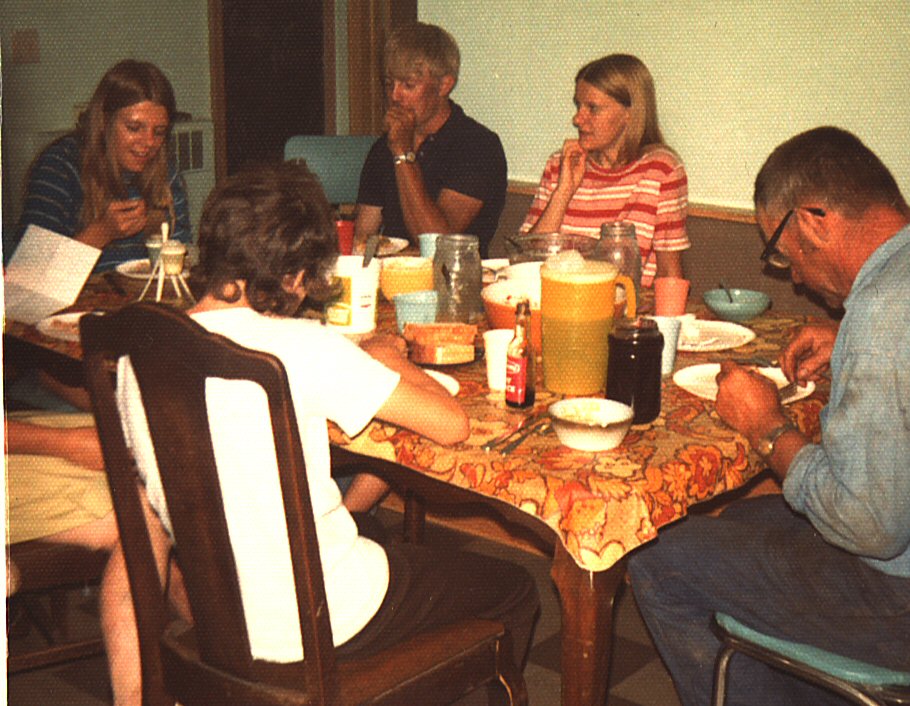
(577, 308)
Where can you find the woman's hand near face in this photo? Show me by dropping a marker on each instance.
(571, 172)
(572, 169)
(126, 218)
(121, 220)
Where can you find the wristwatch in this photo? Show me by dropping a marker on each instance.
(405, 157)
(765, 445)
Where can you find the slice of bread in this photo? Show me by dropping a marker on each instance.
(440, 343)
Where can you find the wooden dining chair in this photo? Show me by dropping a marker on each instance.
(209, 662)
(335, 159)
(858, 682)
(46, 573)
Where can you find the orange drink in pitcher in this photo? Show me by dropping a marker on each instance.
(577, 306)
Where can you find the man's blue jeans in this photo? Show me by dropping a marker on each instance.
(769, 568)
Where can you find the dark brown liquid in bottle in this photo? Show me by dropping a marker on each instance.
(520, 372)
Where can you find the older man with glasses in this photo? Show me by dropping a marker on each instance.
(828, 562)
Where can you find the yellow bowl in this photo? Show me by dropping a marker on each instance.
(404, 274)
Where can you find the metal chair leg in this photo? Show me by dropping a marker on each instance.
(720, 675)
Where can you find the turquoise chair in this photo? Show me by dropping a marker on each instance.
(335, 159)
(856, 681)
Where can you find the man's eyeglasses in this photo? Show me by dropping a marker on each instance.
(771, 254)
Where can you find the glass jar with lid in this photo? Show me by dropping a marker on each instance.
(619, 245)
(457, 278)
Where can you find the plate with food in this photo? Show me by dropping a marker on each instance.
(135, 269)
(387, 246)
(64, 327)
(701, 381)
(701, 336)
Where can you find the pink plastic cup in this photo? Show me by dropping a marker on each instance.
(670, 294)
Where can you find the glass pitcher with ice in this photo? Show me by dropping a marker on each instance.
(577, 308)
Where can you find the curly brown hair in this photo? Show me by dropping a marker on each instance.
(261, 226)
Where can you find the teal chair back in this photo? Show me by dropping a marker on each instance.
(859, 682)
(335, 159)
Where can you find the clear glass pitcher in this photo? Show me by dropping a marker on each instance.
(619, 246)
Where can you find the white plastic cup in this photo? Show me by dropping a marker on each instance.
(496, 343)
(354, 310)
(669, 327)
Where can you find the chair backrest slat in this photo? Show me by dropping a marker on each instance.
(336, 160)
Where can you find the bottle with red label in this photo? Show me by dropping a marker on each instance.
(520, 374)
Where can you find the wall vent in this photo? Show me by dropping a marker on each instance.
(188, 147)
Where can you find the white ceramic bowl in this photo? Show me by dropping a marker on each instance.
(528, 272)
(591, 423)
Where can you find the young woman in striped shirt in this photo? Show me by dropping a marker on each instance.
(110, 182)
(618, 169)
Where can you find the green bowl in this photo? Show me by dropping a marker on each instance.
(746, 304)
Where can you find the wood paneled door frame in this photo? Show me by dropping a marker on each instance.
(216, 71)
(368, 24)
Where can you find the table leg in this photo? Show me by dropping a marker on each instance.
(587, 627)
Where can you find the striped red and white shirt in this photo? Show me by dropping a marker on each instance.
(651, 193)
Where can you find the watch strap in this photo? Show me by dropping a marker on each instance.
(404, 157)
(766, 444)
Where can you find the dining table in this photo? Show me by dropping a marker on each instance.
(589, 510)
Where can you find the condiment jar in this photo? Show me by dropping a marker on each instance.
(457, 278)
(618, 245)
(633, 368)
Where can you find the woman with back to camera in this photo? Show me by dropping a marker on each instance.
(110, 182)
(618, 169)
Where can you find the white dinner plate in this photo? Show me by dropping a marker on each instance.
(390, 246)
(697, 335)
(64, 327)
(387, 246)
(447, 381)
(135, 269)
(700, 381)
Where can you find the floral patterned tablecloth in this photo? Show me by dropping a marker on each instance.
(600, 505)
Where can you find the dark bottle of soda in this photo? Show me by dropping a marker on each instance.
(520, 374)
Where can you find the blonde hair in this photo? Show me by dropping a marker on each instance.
(627, 81)
(415, 46)
(127, 83)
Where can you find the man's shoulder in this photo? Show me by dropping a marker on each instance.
(462, 123)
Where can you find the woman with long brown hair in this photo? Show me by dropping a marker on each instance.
(110, 183)
(617, 169)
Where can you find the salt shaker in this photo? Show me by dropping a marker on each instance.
(457, 277)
